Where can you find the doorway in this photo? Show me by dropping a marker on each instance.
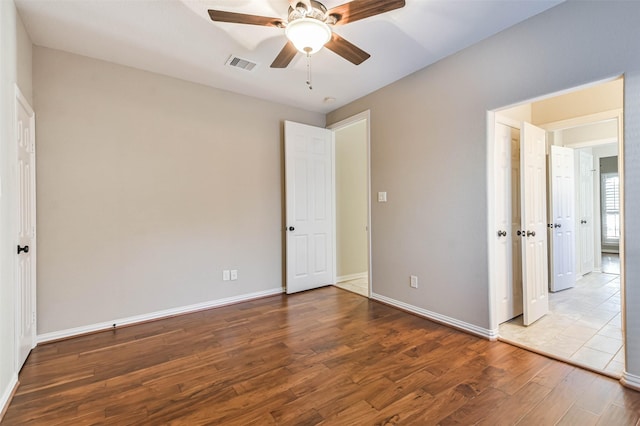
(584, 323)
(351, 138)
(327, 205)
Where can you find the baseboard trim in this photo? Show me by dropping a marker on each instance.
(361, 275)
(630, 381)
(439, 318)
(107, 325)
(7, 395)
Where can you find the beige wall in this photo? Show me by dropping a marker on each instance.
(148, 187)
(24, 60)
(429, 152)
(351, 199)
(602, 97)
(15, 68)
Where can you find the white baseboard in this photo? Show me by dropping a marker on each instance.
(76, 331)
(361, 275)
(8, 394)
(443, 319)
(630, 381)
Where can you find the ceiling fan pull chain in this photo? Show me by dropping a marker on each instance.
(309, 70)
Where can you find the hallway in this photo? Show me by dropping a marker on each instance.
(583, 326)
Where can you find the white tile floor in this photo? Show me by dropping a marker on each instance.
(360, 286)
(583, 325)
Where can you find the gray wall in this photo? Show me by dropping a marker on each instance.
(609, 164)
(148, 187)
(15, 68)
(429, 152)
(351, 199)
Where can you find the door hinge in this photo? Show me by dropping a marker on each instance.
(33, 317)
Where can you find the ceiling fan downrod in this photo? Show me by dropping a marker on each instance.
(308, 51)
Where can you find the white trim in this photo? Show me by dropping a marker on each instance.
(71, 332)
(492, 118)
(507, 121)
(442, 319)
(8, 394)
(630, 381)
(582, 120)
(362, 275)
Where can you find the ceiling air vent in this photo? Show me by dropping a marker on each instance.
(237, 62)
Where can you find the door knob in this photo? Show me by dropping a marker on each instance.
(23, 249)
(583, 221)
(291, 228)
(519, 233)
(502, 233)
(531, 233)
(557, 225)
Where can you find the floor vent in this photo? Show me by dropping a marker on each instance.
(237, 62)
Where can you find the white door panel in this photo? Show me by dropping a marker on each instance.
(534, 223)
(26, 238)
(562, 224)
(309, 206)
(507, 211)
(585, 202)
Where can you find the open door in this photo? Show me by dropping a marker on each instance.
(26, 238)
(562, 242)
(309, 206)
(585, 203)
(507, 222)
(534, 223)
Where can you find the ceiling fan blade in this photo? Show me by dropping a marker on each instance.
(347, 50)
(240, 18)
(285, 56)
(360, 9)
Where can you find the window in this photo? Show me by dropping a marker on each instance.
(610, 208)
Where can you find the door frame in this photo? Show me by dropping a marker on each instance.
(362, 116)
(492, 117)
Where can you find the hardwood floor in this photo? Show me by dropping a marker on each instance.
(326, 356)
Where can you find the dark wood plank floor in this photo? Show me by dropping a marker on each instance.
(321, 357)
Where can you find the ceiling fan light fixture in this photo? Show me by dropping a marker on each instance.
(308, 35)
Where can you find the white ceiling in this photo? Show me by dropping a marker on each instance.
(177, 38)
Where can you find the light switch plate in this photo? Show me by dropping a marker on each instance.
(234, 274)
(413, 281)
(382, 197)
(225, 275)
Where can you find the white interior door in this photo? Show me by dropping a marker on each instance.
(562, 243)
(309, 206)
(585, 202)
(534, 223)
(507, 211)
(26, 238)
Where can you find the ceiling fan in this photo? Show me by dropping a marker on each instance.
(308, 26)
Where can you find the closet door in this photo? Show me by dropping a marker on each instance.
(507, 222)
(562, 243)
(533, 184)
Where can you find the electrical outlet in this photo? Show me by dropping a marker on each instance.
(225, 275)
(234, 274)
(413, 281)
